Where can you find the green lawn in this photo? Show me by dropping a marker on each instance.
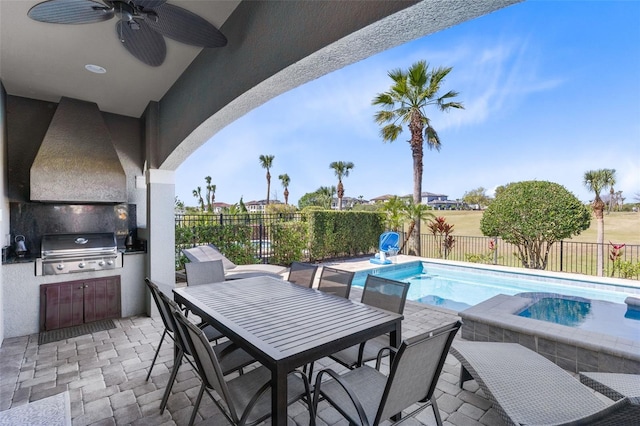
(619, 227)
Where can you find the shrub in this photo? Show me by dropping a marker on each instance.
(533, 215)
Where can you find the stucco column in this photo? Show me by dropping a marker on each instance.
(161, 224)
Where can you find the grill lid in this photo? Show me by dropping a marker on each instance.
(81, 244)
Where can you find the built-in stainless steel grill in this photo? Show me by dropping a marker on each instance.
(70, 253)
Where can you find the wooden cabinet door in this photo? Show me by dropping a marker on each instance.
(77, 302)
(102, 299)
(63, 305)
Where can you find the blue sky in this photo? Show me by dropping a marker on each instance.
(550, 89)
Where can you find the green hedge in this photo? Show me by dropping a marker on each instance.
(232, 240)
(288, 242)
(343, 233)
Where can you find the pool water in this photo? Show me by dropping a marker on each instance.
(458, 288)
(593, 315)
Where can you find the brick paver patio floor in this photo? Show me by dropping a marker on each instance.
(105, 375)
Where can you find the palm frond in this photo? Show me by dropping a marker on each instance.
(390, 132)
(432, 138)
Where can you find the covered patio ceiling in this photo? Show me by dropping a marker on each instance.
(273, 46)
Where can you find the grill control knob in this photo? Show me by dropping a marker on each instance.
(109, 262)
(101, 263)
(81, 265)
(60, 267)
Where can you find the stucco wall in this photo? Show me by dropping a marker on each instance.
(4, 204)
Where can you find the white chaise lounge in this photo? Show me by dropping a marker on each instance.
(231, 270)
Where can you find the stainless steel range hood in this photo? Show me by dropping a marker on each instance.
(77, 161)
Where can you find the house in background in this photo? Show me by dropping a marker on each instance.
(347, 202)
(259, 206)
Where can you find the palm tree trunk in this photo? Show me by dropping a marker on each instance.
(598, 211)
(417, 153)
(340, 194)
(268, 185)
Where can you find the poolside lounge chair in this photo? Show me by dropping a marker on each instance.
(528, 389)
(231, 270)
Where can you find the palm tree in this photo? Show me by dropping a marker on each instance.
(325, 195)
(266, 161)
(284, 178)
(341, 169)
(596, 181)
(415, 213)
(394, 210)
(211, 194)
(405, 103)
(198, 194)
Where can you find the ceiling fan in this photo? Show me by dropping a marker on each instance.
(141, 27)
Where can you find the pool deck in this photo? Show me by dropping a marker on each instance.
(104, 374)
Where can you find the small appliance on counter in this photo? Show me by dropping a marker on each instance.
(21, 248)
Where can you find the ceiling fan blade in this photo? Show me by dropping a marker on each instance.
(149, 4)
(186, 27)
(144, 43)
(70, 12)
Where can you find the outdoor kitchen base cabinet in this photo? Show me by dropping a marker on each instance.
(72, 303)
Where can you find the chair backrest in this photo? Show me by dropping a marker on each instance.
(335, 281)
(389, 241)
(207, 362)
(167, 319)
(172, 307)
(415, 370)
(302, 274)
(385, 293)
(207, 272)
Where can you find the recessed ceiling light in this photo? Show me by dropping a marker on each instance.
(95, 68)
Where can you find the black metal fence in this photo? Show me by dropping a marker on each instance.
(564, 256)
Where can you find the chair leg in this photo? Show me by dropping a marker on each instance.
(156, 355)
(197, 405)
(436, 412)
(172, 378)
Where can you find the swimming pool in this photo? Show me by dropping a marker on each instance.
(458, 288)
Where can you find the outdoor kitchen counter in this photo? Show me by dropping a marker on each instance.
(21, 287)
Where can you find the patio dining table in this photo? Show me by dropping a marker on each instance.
(285, 326)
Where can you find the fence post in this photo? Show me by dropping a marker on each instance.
(495, 252)
(561, 254)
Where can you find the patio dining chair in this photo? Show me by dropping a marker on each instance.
(382, 293)
(232, 358)
(211, 271)
(169, 326)
(302, 274)
(365, 396)
(245, 399)
(335, 281)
